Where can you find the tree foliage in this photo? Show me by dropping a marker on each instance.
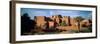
(59, 16)
(79, 18)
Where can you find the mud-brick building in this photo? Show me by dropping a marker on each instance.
(51, 24)
(56, 18)
(40, 20)
(66, 19)
(71, 22)
(86, 23)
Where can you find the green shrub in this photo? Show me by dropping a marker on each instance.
(63, 23)
(88, 29)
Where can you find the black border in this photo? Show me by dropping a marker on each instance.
(12, 20)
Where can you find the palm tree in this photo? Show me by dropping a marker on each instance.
(78, 19)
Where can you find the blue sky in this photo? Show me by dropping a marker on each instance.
(49, 12)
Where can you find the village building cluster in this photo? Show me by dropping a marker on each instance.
(60, 22)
